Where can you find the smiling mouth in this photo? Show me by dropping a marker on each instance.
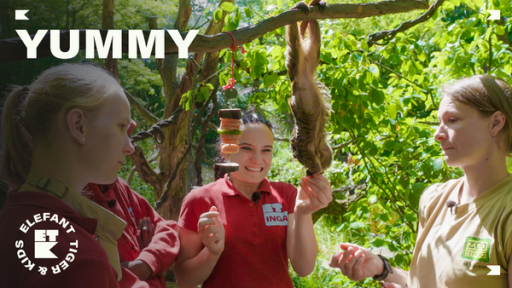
(254, 169)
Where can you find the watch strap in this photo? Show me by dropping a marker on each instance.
(387, 269)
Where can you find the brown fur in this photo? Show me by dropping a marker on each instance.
(310, 99)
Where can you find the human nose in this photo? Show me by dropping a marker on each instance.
(256, 157)
(440, 133)
(128, 146)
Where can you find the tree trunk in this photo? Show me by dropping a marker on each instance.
(173, 147)
(107, 22)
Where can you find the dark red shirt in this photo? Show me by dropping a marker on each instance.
(87, 267)
(131, 207)
(255, 251)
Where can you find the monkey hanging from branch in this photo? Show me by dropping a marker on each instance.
(310, 101)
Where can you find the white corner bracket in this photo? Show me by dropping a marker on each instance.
(495, 270)
(495, 15)
(20, 14)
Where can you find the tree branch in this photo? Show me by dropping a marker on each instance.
(13, 49)
(342, 145)
(145, 114)
(146, 172)
(202, 137)
(337, 207)
(156, 130)
(390, 34)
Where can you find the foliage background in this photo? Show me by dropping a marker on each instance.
(384, 100)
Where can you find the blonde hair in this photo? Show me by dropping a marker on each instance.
(487, 94)
(32, 113)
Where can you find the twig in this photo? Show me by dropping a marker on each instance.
(390, 195)
(145, 114)
(350, 188)
(342, 145)
(390, 34)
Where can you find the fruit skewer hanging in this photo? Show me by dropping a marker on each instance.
(229, 124)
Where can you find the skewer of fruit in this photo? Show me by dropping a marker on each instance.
(230, 134)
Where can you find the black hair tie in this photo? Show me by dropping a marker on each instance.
(25, 88)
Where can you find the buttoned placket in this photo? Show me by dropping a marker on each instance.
(254, 219)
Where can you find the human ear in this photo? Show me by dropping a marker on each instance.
(75, 119)
(498, 121)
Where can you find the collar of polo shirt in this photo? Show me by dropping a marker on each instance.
(232, 191)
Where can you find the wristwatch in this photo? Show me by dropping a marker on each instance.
(385, 271)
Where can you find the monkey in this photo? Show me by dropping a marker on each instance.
(310, 100)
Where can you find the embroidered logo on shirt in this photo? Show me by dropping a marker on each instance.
(273, 215)
(477, 249)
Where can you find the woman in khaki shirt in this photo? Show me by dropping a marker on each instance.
(465, 224)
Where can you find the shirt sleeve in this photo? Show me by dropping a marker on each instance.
(164, 246)
(505, 234)
(191, 209)
(425, 201)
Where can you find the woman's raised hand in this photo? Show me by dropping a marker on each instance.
(211, 230)
(314, 194)
(357, 263)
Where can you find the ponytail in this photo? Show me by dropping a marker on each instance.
(16, 142)
(32, 114)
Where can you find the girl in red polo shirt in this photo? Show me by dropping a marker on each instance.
(66, 129)
(229, 240)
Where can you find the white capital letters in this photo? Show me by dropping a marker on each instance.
(113, 38)
(183, 44)
(156, 39)
(30, 43)
(74, 44)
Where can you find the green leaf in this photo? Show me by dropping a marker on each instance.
(228, 7)
(392, 111)
(399, 259)
(410, 217)
(327, 57)
(414, 197)
(248, 12)
(389, 145)
(217, 15)
(500, 30)
(377, 97)
(377, 242)
(374, 69)
(438, 164)
(357, 56)
(356, 225)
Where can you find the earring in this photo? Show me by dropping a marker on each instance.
(83, 139)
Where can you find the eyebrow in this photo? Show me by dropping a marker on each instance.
(266, 146)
